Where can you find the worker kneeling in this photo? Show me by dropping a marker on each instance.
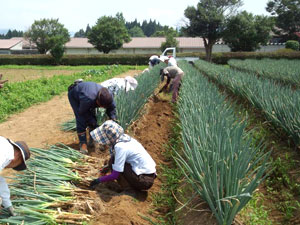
(13, 155)
(128, 159)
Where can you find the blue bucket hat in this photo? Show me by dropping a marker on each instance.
(25, 152)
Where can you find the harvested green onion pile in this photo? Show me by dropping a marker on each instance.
(219, 158)
(45, 189)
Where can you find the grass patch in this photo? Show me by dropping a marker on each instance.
(255, 212)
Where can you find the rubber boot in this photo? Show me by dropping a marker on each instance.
(91, 143)
(82, 143)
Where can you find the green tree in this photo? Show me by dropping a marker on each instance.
(291, 44)
(136, 32)
(287, 14)
(109, 33)
(166, 30)
(246, 32)
(132, 24)
(87, 30)
(170, 42)
(80, 34)
(46, 34)
(11, 34)
(208, 20)
(57, 52)
(159, 33)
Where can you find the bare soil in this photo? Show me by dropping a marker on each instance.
(39, 126)
(128, 206)
(14, 75)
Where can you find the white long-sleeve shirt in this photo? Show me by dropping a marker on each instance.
(6, 156)
(172, 62)
(116, 84)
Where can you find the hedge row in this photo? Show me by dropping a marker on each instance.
(224, 57)
(140, 59)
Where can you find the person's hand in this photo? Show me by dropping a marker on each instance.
(11, 211)
(104, 170)
(95, 182)
(163, 88)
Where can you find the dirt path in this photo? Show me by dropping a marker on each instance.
(40, 126)
(126, 207)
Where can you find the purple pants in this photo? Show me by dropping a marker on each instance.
(140, 182)
(176, 85)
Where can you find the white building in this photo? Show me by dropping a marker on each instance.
(137, 45)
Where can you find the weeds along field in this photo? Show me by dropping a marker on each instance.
(17, 96)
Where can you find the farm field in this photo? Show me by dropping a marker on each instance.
(21, 73)
(242, 132)
(39, 134)
(268, 107)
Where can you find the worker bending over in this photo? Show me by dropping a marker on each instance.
(175, 74)
(154, 60)
(84, 98)
(171, 61)
(128, 159)
(13, 155)
(115, 85)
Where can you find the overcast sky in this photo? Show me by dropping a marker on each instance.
(76, 14)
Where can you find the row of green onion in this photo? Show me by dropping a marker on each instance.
(219, 158)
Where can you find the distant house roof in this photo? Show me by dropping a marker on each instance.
(78, 43)
(144, 42)
(26, 43)
(155, 42)
(190, 42)
(8, 43)
(141, 42)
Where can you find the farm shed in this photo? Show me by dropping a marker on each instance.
(8, 45)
